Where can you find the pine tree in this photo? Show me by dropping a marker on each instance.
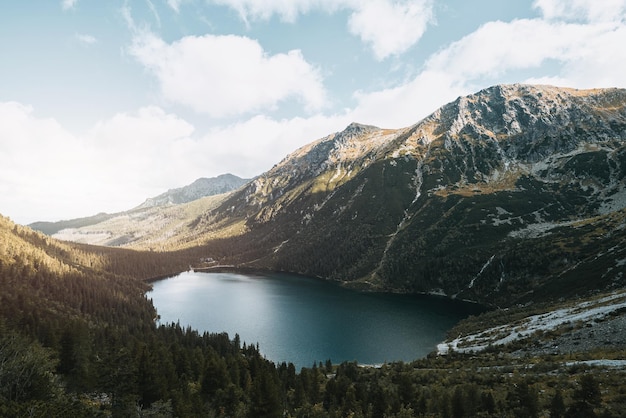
(557, 406)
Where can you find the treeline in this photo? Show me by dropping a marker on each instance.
(78, 340)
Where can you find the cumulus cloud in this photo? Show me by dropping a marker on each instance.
(68, 4)
(585, 53)
(408, 103)
(580, 46)
(140, 146)
(41, 163)
(390, 27)
(256, 144)
(131, 156)
(497, 47)
(110, 168)
(589, 10)
(227, 75)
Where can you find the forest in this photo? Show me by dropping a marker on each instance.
(79, 337)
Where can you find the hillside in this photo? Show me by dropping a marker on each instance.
(78, 338)
(200, 188)
(155, 224)
(512, 194)
(512, 197)
(146, 228)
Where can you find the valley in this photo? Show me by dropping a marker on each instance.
(514, 194)
(512, 198)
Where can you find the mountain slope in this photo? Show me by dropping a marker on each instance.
(511, 194)
(150, 227)
(514, 194)
(200, 188)
(153, 224)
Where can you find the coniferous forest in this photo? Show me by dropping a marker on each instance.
(79, 338)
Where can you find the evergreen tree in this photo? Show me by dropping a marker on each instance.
(557, 406)
(488, 404)
(587, 398)
(523, 401)
(265, 397)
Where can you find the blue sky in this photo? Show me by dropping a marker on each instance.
(106, 103)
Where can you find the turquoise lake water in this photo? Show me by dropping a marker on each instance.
(303, 320)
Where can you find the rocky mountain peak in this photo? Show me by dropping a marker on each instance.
(355, 130)
(199, 188)
(529, 122)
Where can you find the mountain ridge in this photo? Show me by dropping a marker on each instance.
(531, 219)
(493, 197)
(200, 188)
(529, 156)
(149, 224)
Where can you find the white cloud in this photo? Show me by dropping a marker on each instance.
(140, 147)
(599, 61)
(175, 5)
(131, 156)
(227, 75)
(555, 51)
(85, 39)
(586, 54)
(288, 10)
(497, 47)
(153, 9)
(589, 10)
(40, 164)
(113, 167)
(407, 104)
(389, 26)
(253, 146)
(68, 4)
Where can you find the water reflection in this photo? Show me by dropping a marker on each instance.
(303, 320)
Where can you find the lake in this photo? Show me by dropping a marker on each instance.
(303, 320)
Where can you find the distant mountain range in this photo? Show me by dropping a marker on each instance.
(150, 223)
(512, 197)
(198, 189)
(514, 194)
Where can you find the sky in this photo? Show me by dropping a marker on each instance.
(106, 103)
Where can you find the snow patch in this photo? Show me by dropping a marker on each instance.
(481, 271)
(614, 203)
(505, 334)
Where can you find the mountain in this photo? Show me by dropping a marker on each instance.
(79, 337)
(159, 219)
(514, 197)
(148, 228)
(202, 187)
(51, 228)
(513, 194)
